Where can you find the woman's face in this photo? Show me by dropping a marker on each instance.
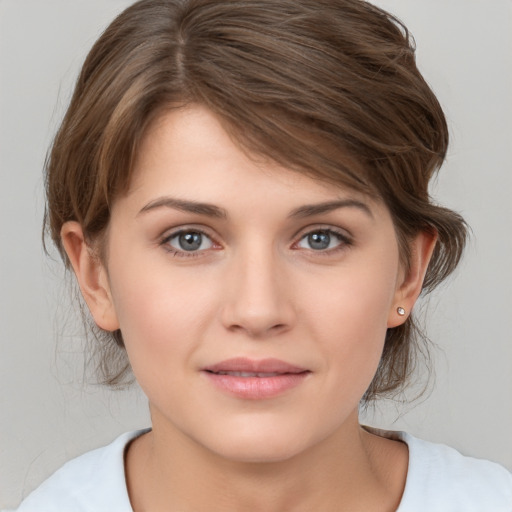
(253, 301)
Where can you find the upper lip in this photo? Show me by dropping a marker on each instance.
(242, 364)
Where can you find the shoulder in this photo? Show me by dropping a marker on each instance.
(441, 479)
(92, 482)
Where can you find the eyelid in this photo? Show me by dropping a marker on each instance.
(345, 238)
(171, 233)
(312, 228)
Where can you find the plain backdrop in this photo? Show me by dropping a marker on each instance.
(48, 414)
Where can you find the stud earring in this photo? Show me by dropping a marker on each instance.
(400, 311)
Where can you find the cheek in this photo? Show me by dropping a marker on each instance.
(348, 316)
(356, 299)
(161, 314)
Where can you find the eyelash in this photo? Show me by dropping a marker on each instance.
(165, 243)
(344, 242)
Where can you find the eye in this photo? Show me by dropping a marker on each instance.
(322, 240)
(188, 241)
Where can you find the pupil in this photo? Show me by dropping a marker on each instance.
(319, 240)
(190, 241)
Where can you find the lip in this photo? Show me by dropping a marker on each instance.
(255, 379)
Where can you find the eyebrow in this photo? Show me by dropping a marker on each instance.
(316, 209)
(211, 210)
(186, 206)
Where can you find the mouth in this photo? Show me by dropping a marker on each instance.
(248, 374)
(253, 367)
(255, 379)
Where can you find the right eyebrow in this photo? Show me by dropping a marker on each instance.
(198, 208)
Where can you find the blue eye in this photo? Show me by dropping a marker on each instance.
(189, 241)
(321, 240)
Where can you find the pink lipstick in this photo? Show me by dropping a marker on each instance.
(255, 379)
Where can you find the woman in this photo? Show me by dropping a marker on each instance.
(241, 189)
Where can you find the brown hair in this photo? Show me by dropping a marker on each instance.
(326, 87)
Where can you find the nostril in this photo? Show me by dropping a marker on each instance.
(258, 330)
(257, 308)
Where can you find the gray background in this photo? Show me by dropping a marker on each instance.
(48, 415)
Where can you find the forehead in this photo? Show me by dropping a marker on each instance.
(188, 151)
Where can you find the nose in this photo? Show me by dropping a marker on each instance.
(258, 300)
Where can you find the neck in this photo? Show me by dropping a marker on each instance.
(351, 470)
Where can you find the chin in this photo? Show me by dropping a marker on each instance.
(259, 451)
(259, 442)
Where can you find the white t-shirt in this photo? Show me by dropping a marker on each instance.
(439, 479)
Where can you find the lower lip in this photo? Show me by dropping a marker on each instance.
(256, 388)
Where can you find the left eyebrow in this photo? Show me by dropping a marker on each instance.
(310, 210)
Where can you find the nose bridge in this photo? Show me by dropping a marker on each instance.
(257, 300)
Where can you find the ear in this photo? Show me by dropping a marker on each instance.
(411, 281)
(91, 275)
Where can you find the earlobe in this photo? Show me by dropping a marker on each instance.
(409, 289)
(91, 276)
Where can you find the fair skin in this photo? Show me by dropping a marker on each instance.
(212, 256)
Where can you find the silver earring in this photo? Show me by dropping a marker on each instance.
(400, 311)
